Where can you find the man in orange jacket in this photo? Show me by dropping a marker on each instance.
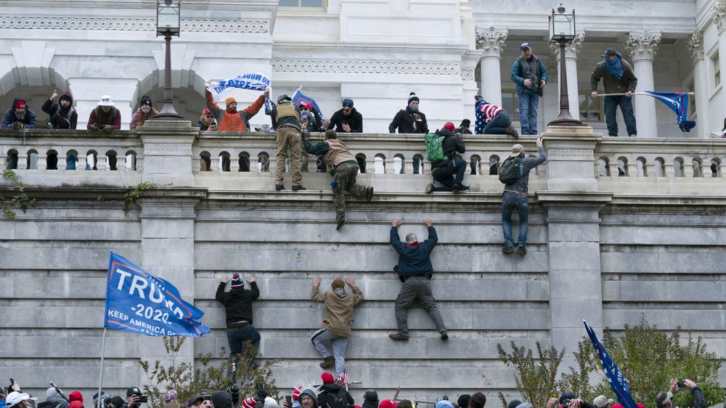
(230, 119)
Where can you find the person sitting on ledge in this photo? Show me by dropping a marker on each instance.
(19, 116)
(230, 119)
(443, 171)
(105, 117)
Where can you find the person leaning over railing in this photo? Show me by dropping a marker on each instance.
(105, 117)
(62, 114)
(144, 113)
(19, 116)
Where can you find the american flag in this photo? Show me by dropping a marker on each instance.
(343, 379)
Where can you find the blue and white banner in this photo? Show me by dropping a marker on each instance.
(616, 378)
(139, 302)
(254, 82)
(678, 102)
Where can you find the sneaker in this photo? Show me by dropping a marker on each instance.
(329, 362)
(511, 131)
(522, 251)
(341, 223)
(279, 187)
(507, 249)
(429, 188)
(444, 336)
(369, 193)
(298, 188)
(398, 336)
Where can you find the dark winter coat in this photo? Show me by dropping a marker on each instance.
(354, 120)
(59, 118)
(519, 74)
(611, 83)
(237, 302)
(113, 118)
(326, 397)
(29, 120)
(404, 122)
(413, 260)
(452, 144)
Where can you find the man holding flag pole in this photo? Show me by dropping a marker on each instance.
(619, 82)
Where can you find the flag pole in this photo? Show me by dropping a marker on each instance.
(296, 91)
(100, 379)
(639, 93)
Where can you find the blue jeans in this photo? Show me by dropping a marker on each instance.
(238, 339)
(71, 161)
(498, 125)
(528, 103)
(509, 203)
(626, 107)
(445, 174)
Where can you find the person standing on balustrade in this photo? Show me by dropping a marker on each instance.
(286, 118)
(530, 75)
(617, 78)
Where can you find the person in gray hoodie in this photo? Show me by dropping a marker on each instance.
(308, 399)
(53, 400)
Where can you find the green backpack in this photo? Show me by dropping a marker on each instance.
(435, 147)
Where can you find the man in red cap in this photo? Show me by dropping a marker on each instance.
(238, 308)
(444, 170)
(19, 116)
(333, 395)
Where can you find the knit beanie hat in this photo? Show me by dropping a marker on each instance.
(338, 283)
(296, 393)
(75, 396)
(145, 100)
(371, 395)
(514, 403)
(327, 378)
(477, 400)
(104, 397)
(450, 126)
(412, 97)
(463, 400)
(237, 281)
(19, 104)
(229, 101)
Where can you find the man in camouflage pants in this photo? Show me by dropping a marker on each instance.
(344, 166)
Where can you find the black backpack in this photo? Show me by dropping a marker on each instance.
(337, 399)
(511, 170)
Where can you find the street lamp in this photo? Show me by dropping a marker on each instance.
(168, 23)
(562, 30)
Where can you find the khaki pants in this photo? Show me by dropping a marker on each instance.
(345, 175)
(288, 138)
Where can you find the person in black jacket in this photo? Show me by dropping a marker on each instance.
(238, 307)
(443, 171)
(414, 270)
(347, 119)
(62, 114)
(410, 120)
(333, 395)
(664, 399)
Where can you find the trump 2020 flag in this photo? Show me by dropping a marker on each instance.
(254, 82)
(139, 302)
(298, 97)
(678, 102)
(617, 380)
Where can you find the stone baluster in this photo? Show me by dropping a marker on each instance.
(61, 161)
(101, 163)
(687, 170)
(22, 160)
(214, 163)
(632, 169)
(670, 172)
(613, 166)
(408, 166)
(120, 162)
(643, 46)
(254, 162)
(3, 162)
(650, 170)
(82, 161)
(491, 42)
(196, 164)
(42, 162)
(234, 164)
(388, 167)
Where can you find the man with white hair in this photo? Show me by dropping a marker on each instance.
(415, 270)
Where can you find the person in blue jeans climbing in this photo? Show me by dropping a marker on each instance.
(238, 308)
(515, 196)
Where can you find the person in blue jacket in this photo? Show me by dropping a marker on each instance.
(530, 75)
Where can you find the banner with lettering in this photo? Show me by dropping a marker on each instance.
(254, 82)
(139, 302)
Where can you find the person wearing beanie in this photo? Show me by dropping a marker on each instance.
(336, 329)
(144, 113)
(76, 404)
(62, 114)
(464, 127)
(238, 308)
(230, 119)
(335, 155)
(410, 120)
(288, 127)
(370, 399)
(530, 75)
(346, 120)
(449, 171)
(105, 117)
(388, 403)
(415, 271)
(19, 116)
(477, 400)
(75, 396)
(332, 395)
(617, 78)
(492, 120)
(221, 399)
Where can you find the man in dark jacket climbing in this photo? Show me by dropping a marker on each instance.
(415, 270)
(19, 116)
(443, 171)
(333, 395)
(62, 114)
(238, 307)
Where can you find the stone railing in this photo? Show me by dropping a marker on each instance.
(393, 163)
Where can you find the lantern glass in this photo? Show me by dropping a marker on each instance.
(168, 19)
(562, 26)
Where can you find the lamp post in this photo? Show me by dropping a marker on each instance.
(562, 30)
(168, 23)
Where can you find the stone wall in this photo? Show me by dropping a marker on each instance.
(603, 248)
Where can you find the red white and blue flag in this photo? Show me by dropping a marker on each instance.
(298, 98)
(678, 102)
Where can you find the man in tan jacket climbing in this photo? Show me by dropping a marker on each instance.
(339, 307)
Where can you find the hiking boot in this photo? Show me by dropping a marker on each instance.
(398, 336)
(511, 131)
(522, 251)
(460, 187)
(298, 188)
(329, 362)
(507, 249)
(369, 193)
(429, 188)
(444, 336)
(341, 223)
(279, 187)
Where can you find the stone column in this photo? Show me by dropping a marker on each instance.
(718, 14)
(643, 46)
(571, 51)
(491, 42)
(700, 83)
(168, 151)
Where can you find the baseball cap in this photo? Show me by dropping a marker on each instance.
(524, 45)
(194, 399)
(14, 398)
(133, 391)
(609, 52)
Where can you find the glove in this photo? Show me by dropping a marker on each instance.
(18, 125)
(95, 127)
(107, 128)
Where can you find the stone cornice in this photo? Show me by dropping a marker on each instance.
(130, 24)
(365, 67)
(642, 44)
(491, 41)
(695, 46)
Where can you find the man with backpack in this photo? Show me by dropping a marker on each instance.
(514, 173)
(333, 395)
(441, 148)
